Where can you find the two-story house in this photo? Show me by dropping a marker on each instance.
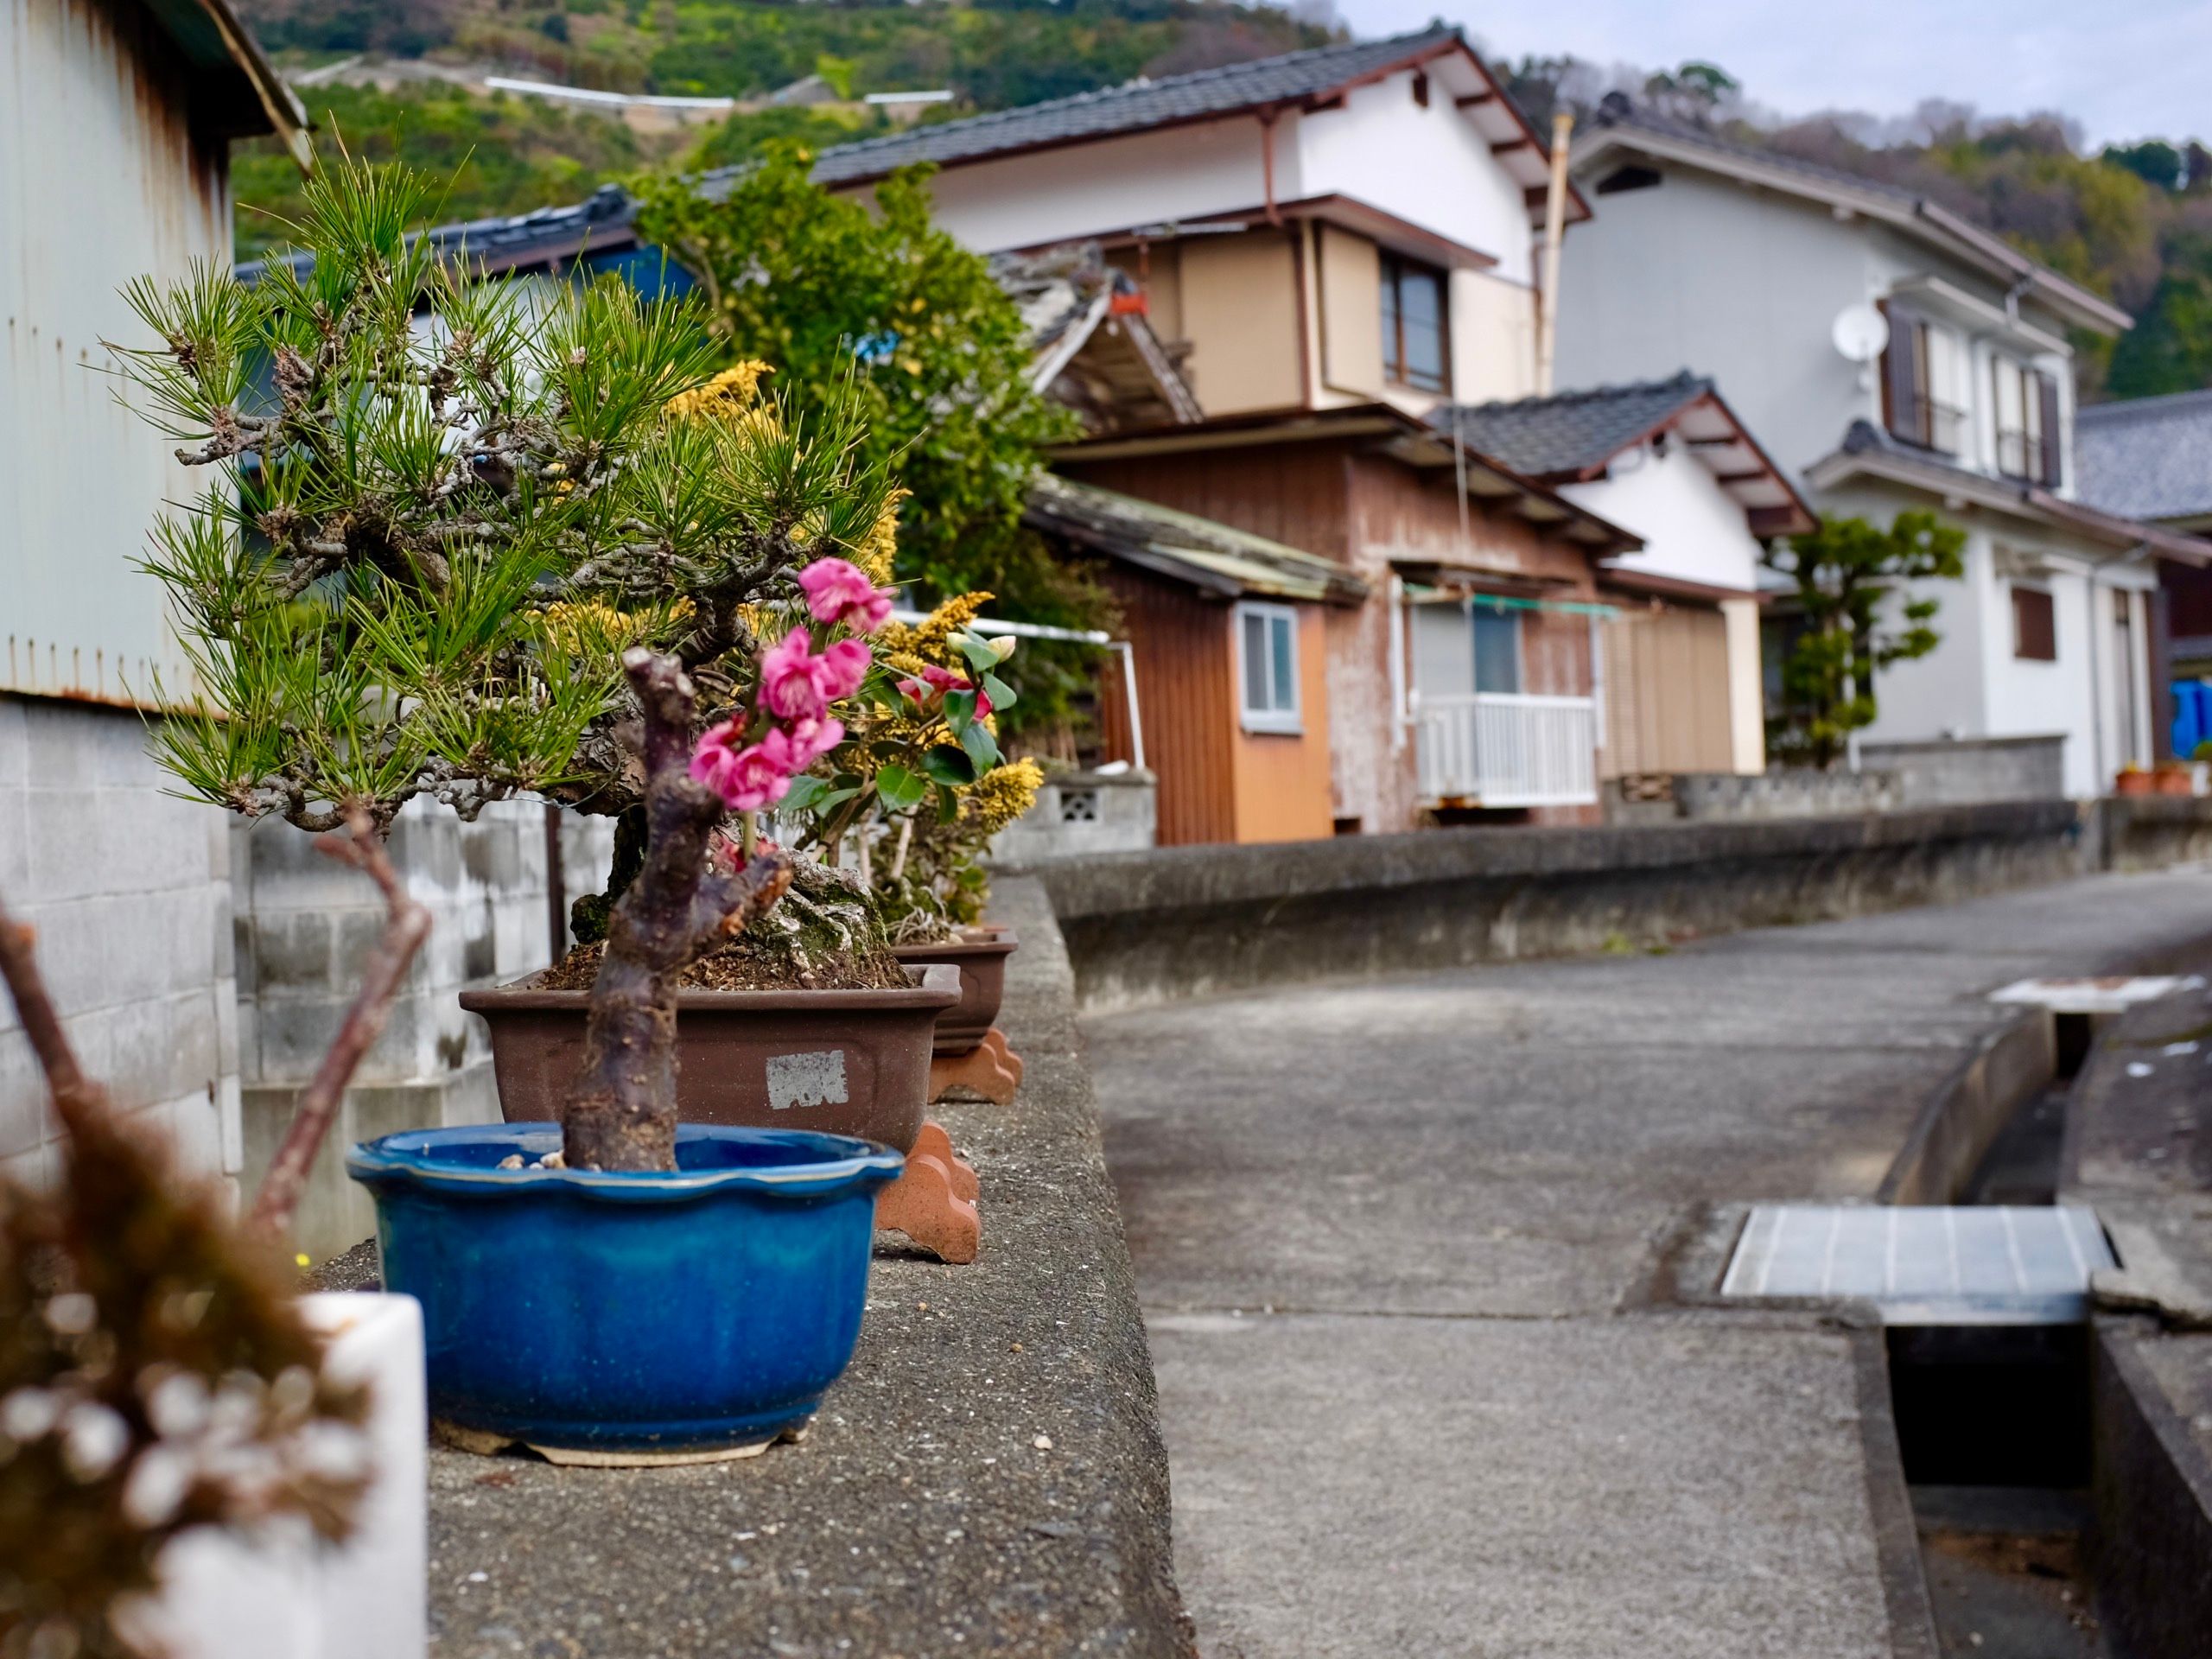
(1891, 355)
(1339, 243)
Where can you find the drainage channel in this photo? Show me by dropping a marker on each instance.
(1983, 1303)
(1993, 1426)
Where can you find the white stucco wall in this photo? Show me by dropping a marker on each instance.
(1431, 166)
(1692, 528)
(1744, 285)
(1972, 685)
(1116, 184)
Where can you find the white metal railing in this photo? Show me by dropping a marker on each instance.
(1497, 749)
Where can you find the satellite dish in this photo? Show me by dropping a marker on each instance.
(1861, 332)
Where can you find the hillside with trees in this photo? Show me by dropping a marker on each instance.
(2134, 223)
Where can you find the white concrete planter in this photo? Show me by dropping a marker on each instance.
(281, 1595)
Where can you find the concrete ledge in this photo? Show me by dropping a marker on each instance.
(988, 1477)
(1188, 921)
(2151, 1488)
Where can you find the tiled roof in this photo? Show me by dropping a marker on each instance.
(1183, 546)
(1619, 109)
(2146, 458)
(602, 221)
(1572, 431)
(1130, 108)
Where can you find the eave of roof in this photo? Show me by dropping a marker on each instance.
(1256, 87)
(1915, 214)
(1724, 445)
(1199, 552)
(1391, 431)
(1866, 454)
(211, 34)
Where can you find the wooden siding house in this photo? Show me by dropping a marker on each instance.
(1680, 651)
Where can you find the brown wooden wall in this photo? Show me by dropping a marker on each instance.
(1289, 493)
(1186, 699)
(1667, 690)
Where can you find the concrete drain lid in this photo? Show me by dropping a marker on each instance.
(2111, 993)
(1925, 1265)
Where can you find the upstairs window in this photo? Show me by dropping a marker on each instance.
(2027, 422)
(1924, 382)
(1413, 338)
(1497, 648)
(1267, 667)
(2035, 628)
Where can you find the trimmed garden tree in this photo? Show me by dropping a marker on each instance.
(468, 541)
(1859, 617)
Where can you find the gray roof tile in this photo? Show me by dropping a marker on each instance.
(1571, 431)
(2146, 458)
(1130, 108)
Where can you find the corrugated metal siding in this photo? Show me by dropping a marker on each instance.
(1666, 691)
(101, 180)
(1184, 692)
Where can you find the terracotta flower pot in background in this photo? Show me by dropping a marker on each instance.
(972, 1059)
(980, 954)
(2134, 783)
(2174, 780)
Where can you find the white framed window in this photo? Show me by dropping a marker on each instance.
(1266, 667)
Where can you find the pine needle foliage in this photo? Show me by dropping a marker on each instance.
(444, 504)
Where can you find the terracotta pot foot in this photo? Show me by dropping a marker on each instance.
(933, 1202)
(990, 1072)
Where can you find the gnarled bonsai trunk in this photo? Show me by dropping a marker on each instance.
(621, 1113)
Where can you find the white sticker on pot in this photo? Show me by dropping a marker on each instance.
(801, 1080)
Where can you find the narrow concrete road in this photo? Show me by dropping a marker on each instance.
(1390, 1239)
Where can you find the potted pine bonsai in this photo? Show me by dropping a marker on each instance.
(466, 545)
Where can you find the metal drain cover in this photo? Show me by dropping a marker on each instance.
(1925, 1264)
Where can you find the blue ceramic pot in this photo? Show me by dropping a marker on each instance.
(622, 1317)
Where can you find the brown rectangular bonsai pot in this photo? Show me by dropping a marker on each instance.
(980, 954)
(841, 1062)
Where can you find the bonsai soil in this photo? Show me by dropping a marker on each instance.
(743, 967)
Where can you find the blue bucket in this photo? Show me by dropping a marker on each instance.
(629, 1318)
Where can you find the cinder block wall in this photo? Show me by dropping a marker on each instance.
(304, 925)
(129, 889)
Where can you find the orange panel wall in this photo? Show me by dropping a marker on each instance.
(1281, 780)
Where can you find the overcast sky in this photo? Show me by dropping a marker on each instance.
(2122, 68)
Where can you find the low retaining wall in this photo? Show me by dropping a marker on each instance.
(2155, 832)
(1194, 921)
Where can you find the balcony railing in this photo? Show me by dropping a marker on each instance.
(1497, 749)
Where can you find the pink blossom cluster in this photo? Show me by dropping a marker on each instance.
(798, 687)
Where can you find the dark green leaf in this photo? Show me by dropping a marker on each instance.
(948, 764)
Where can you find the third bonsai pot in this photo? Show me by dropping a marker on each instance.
(979, 954)
(853, 1063)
